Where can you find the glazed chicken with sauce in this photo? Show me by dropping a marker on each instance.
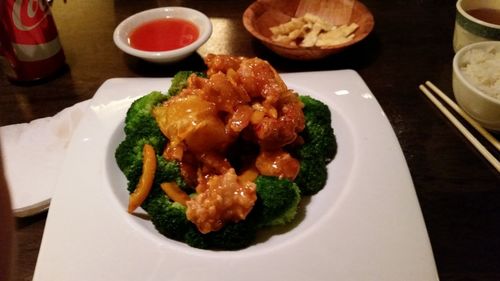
(241, 99)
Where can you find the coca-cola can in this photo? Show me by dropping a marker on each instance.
(29, 41)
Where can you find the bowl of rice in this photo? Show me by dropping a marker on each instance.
(476, 82)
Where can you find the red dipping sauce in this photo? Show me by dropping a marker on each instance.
(163, 35)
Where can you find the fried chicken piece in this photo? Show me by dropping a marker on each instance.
(240, 119)
(226, 95)
(221, 199)
(277, 163)
(261, 80)
(275, 132)
(240, 97)
(213, 164)
(221, 63)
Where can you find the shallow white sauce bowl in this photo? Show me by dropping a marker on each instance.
(484, 108)
(126, 27)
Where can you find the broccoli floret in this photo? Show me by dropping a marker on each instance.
(139, 120)
(140, 129)
(316, 110)
(166, 171)
(319, 147)
(318, 132)
(312, 176)
(167, 217)
(277, 202)
(195, 239)
(128, 156)
(232, 236)
(179, 81)
(169, 171)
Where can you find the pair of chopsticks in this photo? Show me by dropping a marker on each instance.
(467, 134)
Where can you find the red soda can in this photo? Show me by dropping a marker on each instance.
(29, 40)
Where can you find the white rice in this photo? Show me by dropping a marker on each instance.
(482, 68)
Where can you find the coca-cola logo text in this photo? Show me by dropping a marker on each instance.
(28, 14)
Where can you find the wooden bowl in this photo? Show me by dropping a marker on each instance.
(263, 14)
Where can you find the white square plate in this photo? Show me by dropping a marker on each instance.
(366, 224)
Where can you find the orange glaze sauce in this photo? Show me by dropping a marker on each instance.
(163, 35)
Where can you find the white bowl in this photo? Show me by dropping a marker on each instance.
(122, 33)
(484, 108)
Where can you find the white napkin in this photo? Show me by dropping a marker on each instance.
(32, 156)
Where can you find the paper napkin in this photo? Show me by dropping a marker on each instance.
(32, 156)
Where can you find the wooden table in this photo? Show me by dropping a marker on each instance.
(459, 192)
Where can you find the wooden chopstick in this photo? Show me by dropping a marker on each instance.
(466, 116)
(467, 134)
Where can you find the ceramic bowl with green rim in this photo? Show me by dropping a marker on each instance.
(476, 21)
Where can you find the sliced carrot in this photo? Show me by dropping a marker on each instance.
(175, 193)
(146, 180)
